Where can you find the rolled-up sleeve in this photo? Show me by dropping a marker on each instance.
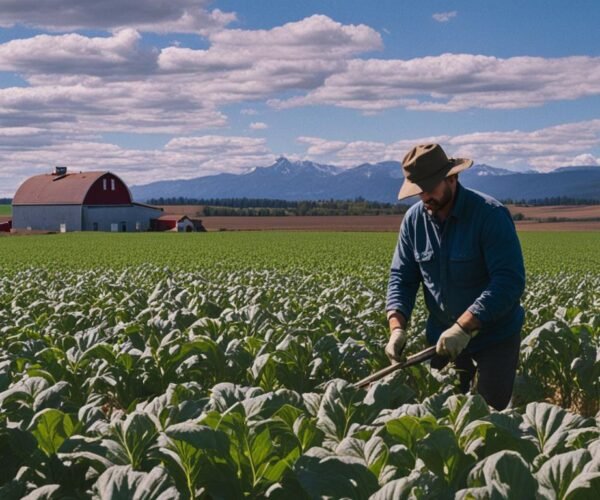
(404, 276)
(504, 263)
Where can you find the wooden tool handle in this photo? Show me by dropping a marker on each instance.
(415, 359)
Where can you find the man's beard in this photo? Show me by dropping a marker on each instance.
(433, 206)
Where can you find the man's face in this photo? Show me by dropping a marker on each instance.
(438, 198)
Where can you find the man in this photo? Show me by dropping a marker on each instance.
(463, 247)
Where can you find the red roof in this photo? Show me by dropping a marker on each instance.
(175, 217)
(51, 189)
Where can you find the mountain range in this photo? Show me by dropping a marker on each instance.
(305, 180)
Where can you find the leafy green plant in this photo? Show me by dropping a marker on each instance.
(223, 368)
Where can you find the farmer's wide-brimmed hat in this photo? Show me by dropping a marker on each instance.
(425, 166)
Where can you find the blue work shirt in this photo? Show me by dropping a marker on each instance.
(473, 261)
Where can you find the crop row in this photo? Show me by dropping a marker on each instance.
(158, 382)
(347, 253)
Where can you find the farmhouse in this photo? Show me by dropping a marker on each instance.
(178, 223)
(85, 201)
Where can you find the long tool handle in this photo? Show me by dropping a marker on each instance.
(415, 359)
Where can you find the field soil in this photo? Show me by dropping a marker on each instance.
(530, 212)
(581, 219)
(559, 211)
(359, 223)
(390, 222)
(305, 223)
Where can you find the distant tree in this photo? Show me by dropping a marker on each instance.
(270, 207)
(553, 200)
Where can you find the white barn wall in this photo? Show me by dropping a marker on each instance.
(184, 225)
(46, 217)
(105, 215)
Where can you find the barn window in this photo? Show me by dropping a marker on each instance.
(138, 226)
(104, 184)
(95, 226)
(112, 184)
(123, 226)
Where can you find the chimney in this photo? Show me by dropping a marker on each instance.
(60, 170)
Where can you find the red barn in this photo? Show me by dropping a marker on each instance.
(85, 201)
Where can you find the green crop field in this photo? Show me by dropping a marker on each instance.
(219, 365)
(346, 252)
(5, 209)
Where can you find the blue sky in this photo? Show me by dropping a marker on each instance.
(180, 89)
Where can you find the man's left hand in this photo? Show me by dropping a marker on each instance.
(452, 341)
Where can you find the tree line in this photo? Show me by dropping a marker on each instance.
(553, 200)
(266, 206)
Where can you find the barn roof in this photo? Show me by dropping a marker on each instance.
(52, 189)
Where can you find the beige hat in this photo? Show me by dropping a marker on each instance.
(425, 166)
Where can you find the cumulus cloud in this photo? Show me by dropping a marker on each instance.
(26, 151)
(455, 82)
(160, 16)
(316, 36)
(118, 54)
(586, 159)
(245, 65)
(543, 149)
(98, 106)
(258, 126)
(182, 157)
(444, 17)
(114, 83)
(321, 147)
(79, 87)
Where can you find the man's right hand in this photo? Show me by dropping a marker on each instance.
(396, 344)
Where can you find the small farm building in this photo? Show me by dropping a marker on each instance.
(85, 201)
(179, 223)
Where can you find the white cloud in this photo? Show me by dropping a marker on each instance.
(543, 149)
(160, 16)
(27, 151)
(94, 105)
(258, 126)
(444, 17)
(80, 87)
(316, 36)
(455, 82)
(117, 83)
(182, 157)
(119, 54)
(321, 147)
(194, 156)
(586, 159)
(246, 65)
(114, 83)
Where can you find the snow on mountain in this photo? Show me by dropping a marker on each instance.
(286, 167)
(483, 169)
(306, 180)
